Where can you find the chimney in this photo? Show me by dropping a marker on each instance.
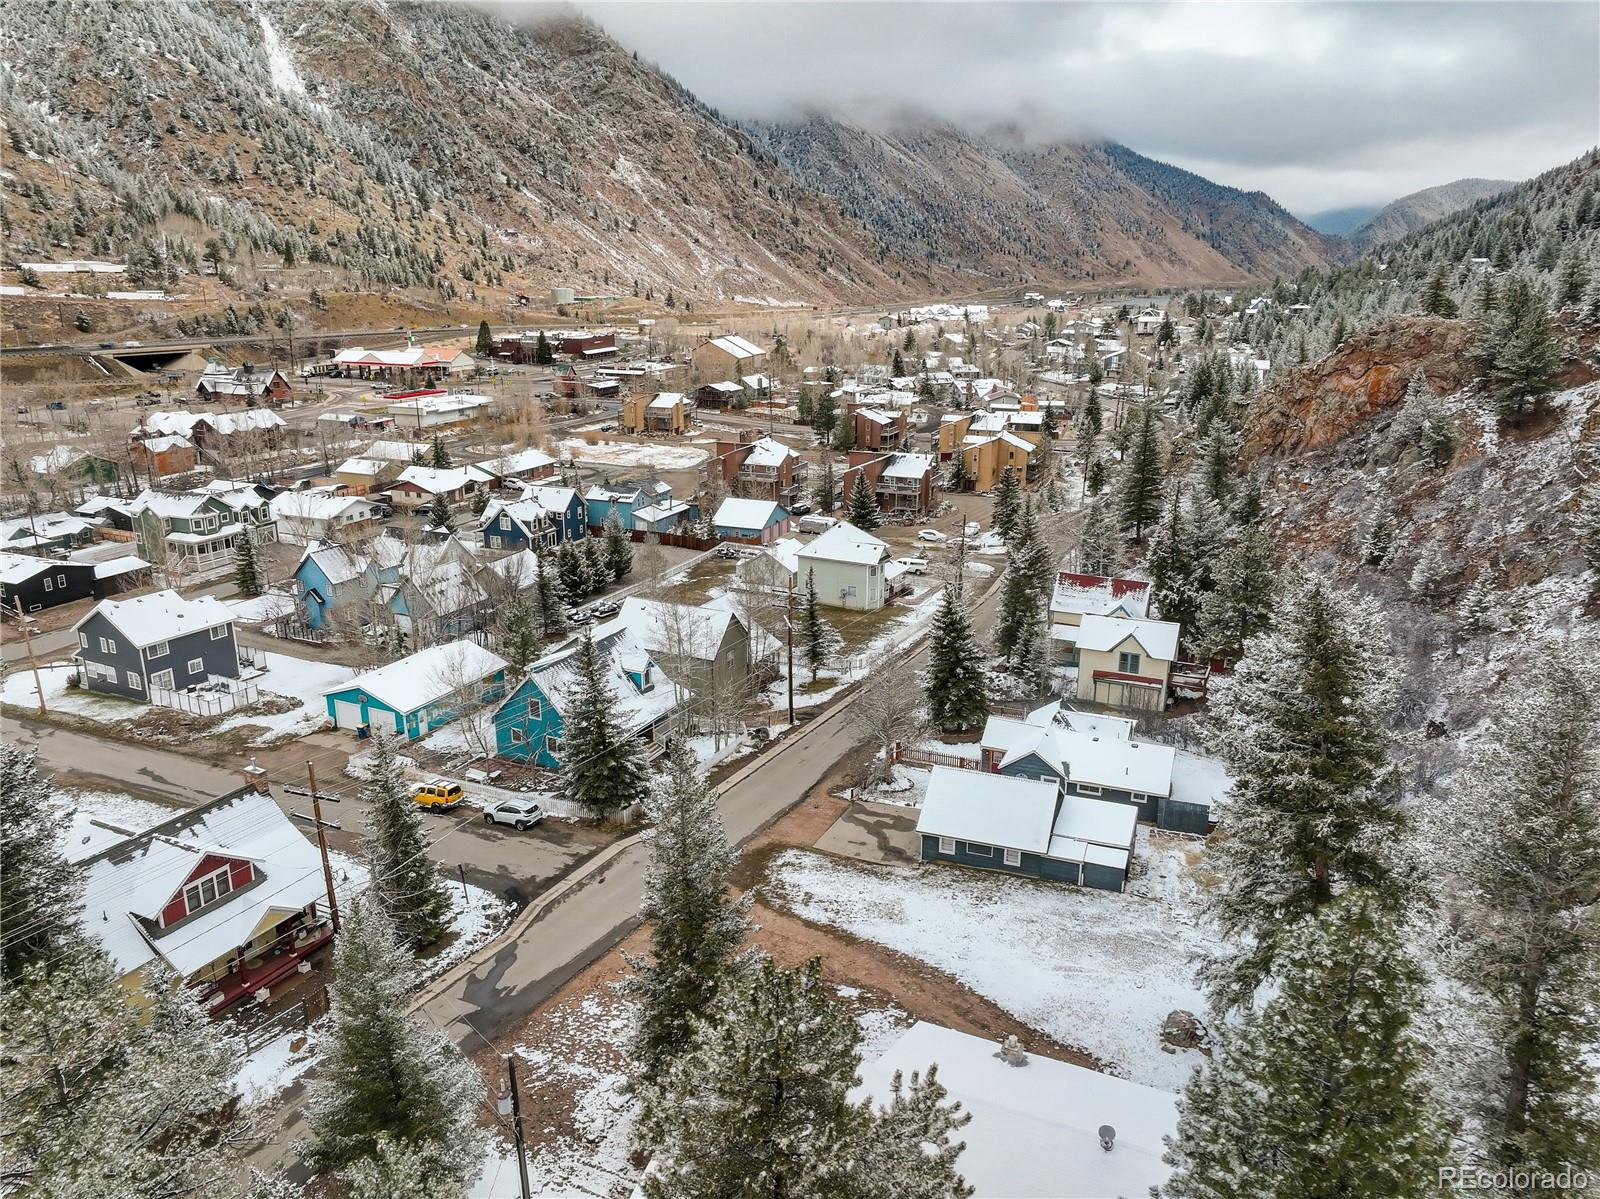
(1011, 1052)
(256, 776)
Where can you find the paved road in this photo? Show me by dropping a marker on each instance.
(45, 646)
(78, 760)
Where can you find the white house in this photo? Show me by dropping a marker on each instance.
(846, 565)
(1126, 663)
(1036, 1121)
(307, 516)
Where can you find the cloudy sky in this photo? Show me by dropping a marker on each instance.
(1319, 104)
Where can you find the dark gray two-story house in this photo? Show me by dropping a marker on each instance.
(162, 641)
(31, 584)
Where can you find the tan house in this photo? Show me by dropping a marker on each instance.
(663, 412)
(728, 357)
(361, 475)
(987, 457)
(1125, 663)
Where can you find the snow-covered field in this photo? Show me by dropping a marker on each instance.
(626, 453)
(1091, 968)
(255, 609)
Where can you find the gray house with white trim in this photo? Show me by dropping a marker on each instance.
(161, 640)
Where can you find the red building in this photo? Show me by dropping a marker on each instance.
(901, 482)
(756, 467)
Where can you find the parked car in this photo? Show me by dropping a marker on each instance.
(727, 551)
(439, 795)
(914, 566)
(972, 528)
(799, 508)
(518, 813)
(932, 535)
(603, 608)
(579, 616)
(146, 401)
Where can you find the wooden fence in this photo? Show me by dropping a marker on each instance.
(917, 755)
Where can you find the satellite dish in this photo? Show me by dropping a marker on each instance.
(1108, 1137)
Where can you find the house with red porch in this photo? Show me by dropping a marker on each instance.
(756, 467)
(230, 897)
(901, 482)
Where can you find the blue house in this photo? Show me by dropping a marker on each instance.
(529, 722)
(756, 521)
(517, 524)
(624, 499)
(665, 516)
(563, 507)
(1098, 757)
(420, 693)
(1025, 827)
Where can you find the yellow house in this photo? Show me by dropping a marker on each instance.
(1125, 663)
(727, 357)
(988, 456)
(663, 412)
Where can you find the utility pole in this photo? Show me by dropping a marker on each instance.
(788, 624)
(322, 844)
(33, 665)
(516, 1123)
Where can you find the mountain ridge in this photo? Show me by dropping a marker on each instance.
(1411, 212)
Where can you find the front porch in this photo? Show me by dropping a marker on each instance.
(265, 972)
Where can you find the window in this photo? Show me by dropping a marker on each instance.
(1127, 663)
(1138, 797)
(1013, 857)
(505, 522)
(161, 680)
(108, 645)
(135, 681)
(1086, 789)
(979, 851)
(552, 746)
(221, 632)
(208, 890)
(518, 737)
(947, 845)
(83, 640)
(96, 670)
(535, 709)
(49, 583)
(61, 580)
(160, 650)
(196, 666)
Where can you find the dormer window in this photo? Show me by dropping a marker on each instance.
(207, 890)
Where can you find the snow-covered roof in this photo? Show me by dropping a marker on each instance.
(769, 452)
(517, 462)
(316, 505)
(737, 513)
(56, 458)
(990, 809)
(527, 513)
(160, 616)
(127, 883)
(339, 564)
(556, 675)
(183, 423)
(651, 513)
(42, 528)
(1084, 750)
(682, 630)
(726, 387)
(846, 543)
(1096, 821)
(1034, 1131)
(167, 504)
(737, 346)
(1157, 638)
(392, 451)
(437, 482)
(1100, 595)
(19, 568)
(908, 466)
(361, 466)
(878, 416)
(113, 567)
(426, 676)
(160, 445)
(666, 399)
(784, 552)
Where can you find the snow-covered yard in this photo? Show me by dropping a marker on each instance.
(627, 453)
(260, 608)
(1091, 968)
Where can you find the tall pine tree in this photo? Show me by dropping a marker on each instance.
(602, 766)
(958, 695)
(1098, 543)
(1007, 504)
(404, 880)
(619, 550)
(247, 570)
(1139, 486)
(1301, 725)
(817, 638)
(42, 892)
(387, 1079)
(863, 508)
(551, 596)
(1240, 604)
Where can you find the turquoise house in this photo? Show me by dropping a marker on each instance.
(419, 693)
(529, 723)
(624, 499)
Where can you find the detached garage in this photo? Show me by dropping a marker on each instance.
(418, 694)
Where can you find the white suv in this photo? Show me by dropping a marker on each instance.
(518, 813)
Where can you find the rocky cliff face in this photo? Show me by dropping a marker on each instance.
(1321, 403)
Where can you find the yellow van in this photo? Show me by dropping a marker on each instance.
(439, 795)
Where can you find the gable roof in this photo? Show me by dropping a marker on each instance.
(1157, 638)
(160, 616)
(424, 677)
(19, 568)
(662, 627)
(738, 347)
(769, 451)
(315, 505)
(556, 676)
(436, 482)
(990, 809)
(1100, 594)
(737, 513)
(1084, 749)
(846, 543)
(516, 462)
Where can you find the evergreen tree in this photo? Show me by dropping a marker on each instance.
(1436, 299)
(1090, 418)
(543, 355)
(596, 569)
(41, 890)
(439, 456)
(817, 637)
(1171, 565)
(398, 1170)
(910, 342)
(1570, 286)
(759, 1106)
(899, 368)
(247, 573)
(1240, 604)
(1319, 1094)
(863, 508)
(619, 550)
(572, 574)
(1007, 505)
(696, 926)
(1379, 538)
(1301, 726)
(1097, 545)
(387, 1079)
(827, 489)
(551, 596)
(1518, 351)
(1488, 297)
(519, 633)
(958, 696)
(956, 477)
(1429, 574)
(1216, 466)
(1030, 554)
(439, 514)
(1140, 485)
(824, 415)
(1477, 603)
(485, 346)
(844, 434)
(404, 881)
(103, 1097)
(913, 1150)
(602, 767)
(1048, 425)
(1530, 811)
